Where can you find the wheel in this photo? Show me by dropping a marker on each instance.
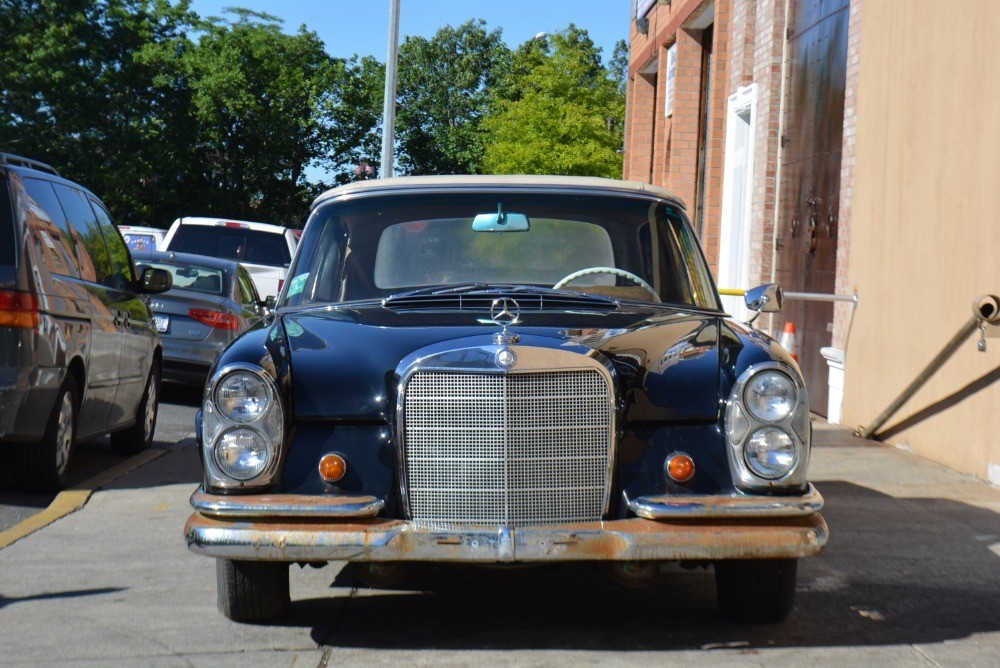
(41, 467)
(756, 590)
(614, 271)
(252, 591)
(139, 436)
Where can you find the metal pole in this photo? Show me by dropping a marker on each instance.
(986, 310)
(389, 110)
(949, 349)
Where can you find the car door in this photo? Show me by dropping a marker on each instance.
(106, 337)
(138, 337)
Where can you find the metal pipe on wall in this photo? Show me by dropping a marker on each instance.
(986, 310)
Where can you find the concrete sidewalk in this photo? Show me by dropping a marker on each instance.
(911, 577)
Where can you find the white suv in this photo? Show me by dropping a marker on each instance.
(264, 249)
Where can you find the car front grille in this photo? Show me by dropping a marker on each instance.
(507, 449)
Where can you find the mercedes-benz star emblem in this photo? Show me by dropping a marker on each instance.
(505, 311)
(506, 358)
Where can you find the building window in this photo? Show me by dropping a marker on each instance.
(642, 7)
(668, 103)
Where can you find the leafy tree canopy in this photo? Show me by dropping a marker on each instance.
(443, 95)
(563, 112)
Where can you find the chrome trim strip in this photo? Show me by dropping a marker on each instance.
(673, 506)
(285, 505)
(618, 540)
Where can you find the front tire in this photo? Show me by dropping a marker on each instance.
(252, 591)
(139, 436)
(42, 467)
(756, 590)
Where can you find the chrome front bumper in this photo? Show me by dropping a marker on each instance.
(276, 528)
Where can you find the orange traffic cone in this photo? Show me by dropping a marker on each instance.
(787, 340)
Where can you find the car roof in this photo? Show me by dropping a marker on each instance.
(486, 182)
(212, 222)
(186, 258)
(31, 172)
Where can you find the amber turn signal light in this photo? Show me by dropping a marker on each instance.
(680, 467)
(332, 467)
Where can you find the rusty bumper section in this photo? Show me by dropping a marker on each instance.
(676, 506)
(395, 540)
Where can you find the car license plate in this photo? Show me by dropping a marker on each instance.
(161, 322)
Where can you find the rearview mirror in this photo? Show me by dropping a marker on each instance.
(764, 298)
(501, 221)
(154, 281)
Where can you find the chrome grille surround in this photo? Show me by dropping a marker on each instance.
(485, 446)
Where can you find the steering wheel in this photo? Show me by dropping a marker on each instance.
(607, 270)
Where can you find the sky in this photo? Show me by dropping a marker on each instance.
(349, 27)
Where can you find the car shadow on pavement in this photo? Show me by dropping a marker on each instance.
(896, 571)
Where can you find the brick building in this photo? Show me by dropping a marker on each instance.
(674, 133)
(813, 150)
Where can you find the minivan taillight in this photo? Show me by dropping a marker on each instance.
(18, 309)
(216, 319)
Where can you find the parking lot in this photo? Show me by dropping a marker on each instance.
(911, 576)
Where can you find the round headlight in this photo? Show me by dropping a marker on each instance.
(242, 454)
(770, 453)
(770, 396)
(242, 396)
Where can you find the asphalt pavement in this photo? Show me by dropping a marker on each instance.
(911, 577)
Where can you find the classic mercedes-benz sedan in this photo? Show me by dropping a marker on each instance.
(505, 370)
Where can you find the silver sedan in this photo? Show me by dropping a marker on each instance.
(211, 302)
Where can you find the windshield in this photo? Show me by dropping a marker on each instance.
(374, 247)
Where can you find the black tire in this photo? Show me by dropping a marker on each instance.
(252, 591)
(756, 590)
(139, 436)
(42, 467)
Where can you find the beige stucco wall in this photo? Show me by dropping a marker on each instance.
(926, 221)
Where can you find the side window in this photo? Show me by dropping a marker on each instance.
(95, 263)
(50, 233)
(122, 276)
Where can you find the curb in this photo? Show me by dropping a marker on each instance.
(76, 497)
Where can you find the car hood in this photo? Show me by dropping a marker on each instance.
(344, 361)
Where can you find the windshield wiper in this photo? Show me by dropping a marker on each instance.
(500, 289)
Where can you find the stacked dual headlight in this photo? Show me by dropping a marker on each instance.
(242, 426)
(767, 428)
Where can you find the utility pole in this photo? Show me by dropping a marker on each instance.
(389, 111)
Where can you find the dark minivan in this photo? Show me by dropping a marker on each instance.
(79, 357)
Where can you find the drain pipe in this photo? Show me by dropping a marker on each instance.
(986, 310)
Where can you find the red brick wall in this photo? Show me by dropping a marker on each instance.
(662, 150)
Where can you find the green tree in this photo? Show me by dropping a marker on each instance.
(443, 95)
(562, 112)
(96, 88)
(356, 117)
(262, 102)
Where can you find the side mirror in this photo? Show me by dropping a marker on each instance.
(270, 302)
(765, 298)
(154, 281)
